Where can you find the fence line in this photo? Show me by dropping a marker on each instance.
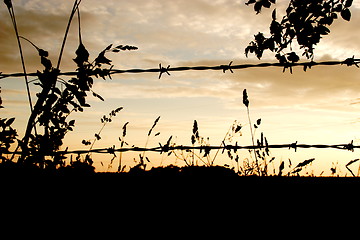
(166, 148)
(162, 70)
(229, 67)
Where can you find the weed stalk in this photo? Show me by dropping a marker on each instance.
(73, 11)
(13, 19)
(246, 103)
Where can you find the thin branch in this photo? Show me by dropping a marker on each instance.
(74, 9)
(24, 74)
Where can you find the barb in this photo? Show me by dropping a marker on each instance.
(164, 70)
(161, 70)
(227, 67)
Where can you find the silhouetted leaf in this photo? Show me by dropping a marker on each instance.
(304, 163)
(281, 168)
(258, 122)
(351, 162)
(297, 170)
(101, 59)
(153, 126)
(293, 57)
(165, 148)
(281, 58)
(207, 151)
(9, 122)
(346, 14)
(266, 3)
(245, 98)
(98, 96)
(72, 123)
(43, 53)
(86, 143)
(97, 136)
(250, 2)
(273, 15)
(195, 127)
(250, 48)
(257, 7)
(108, 47)
(126, 47)
(46, 63)
(348, 3)
(82, 55)
(322, 30)
(124, 129)
(8, 3)
(195, 131)
(238, 128)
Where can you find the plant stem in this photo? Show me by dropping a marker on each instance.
(146, 144)
(37, 48)
(120, 158)
(79, 23)
(51, 78)
(13, 19)
(101, 129)
(74, 9)
(222, 143)
(252, 137)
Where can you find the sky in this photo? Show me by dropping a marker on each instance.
(319, 106)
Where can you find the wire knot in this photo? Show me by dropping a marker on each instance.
(350, 146)
(227, 67)
(351, 61)
(164, 70)
(294, 146)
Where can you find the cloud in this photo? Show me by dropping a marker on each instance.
(322, 87)
(185, 33)
(165, 89)
(44, 23)
(164, 31)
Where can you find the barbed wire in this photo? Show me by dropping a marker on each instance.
(165, 148)
(229, 67)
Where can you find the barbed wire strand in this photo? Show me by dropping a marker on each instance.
(164, 149)
(348, 62)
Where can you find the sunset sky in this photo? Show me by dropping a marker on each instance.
(314, 107)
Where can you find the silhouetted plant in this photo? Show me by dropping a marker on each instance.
(352, 162)
(305, 21)
(299, 167)
(7, 138)
(10, 8)
(191, 157)
(104, 120)
(54, 104)
(122, 144)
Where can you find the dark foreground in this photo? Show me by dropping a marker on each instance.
(198, 174)
(197, 187)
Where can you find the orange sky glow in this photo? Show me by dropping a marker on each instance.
(320, 106)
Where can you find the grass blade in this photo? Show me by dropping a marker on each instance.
(349, 163)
